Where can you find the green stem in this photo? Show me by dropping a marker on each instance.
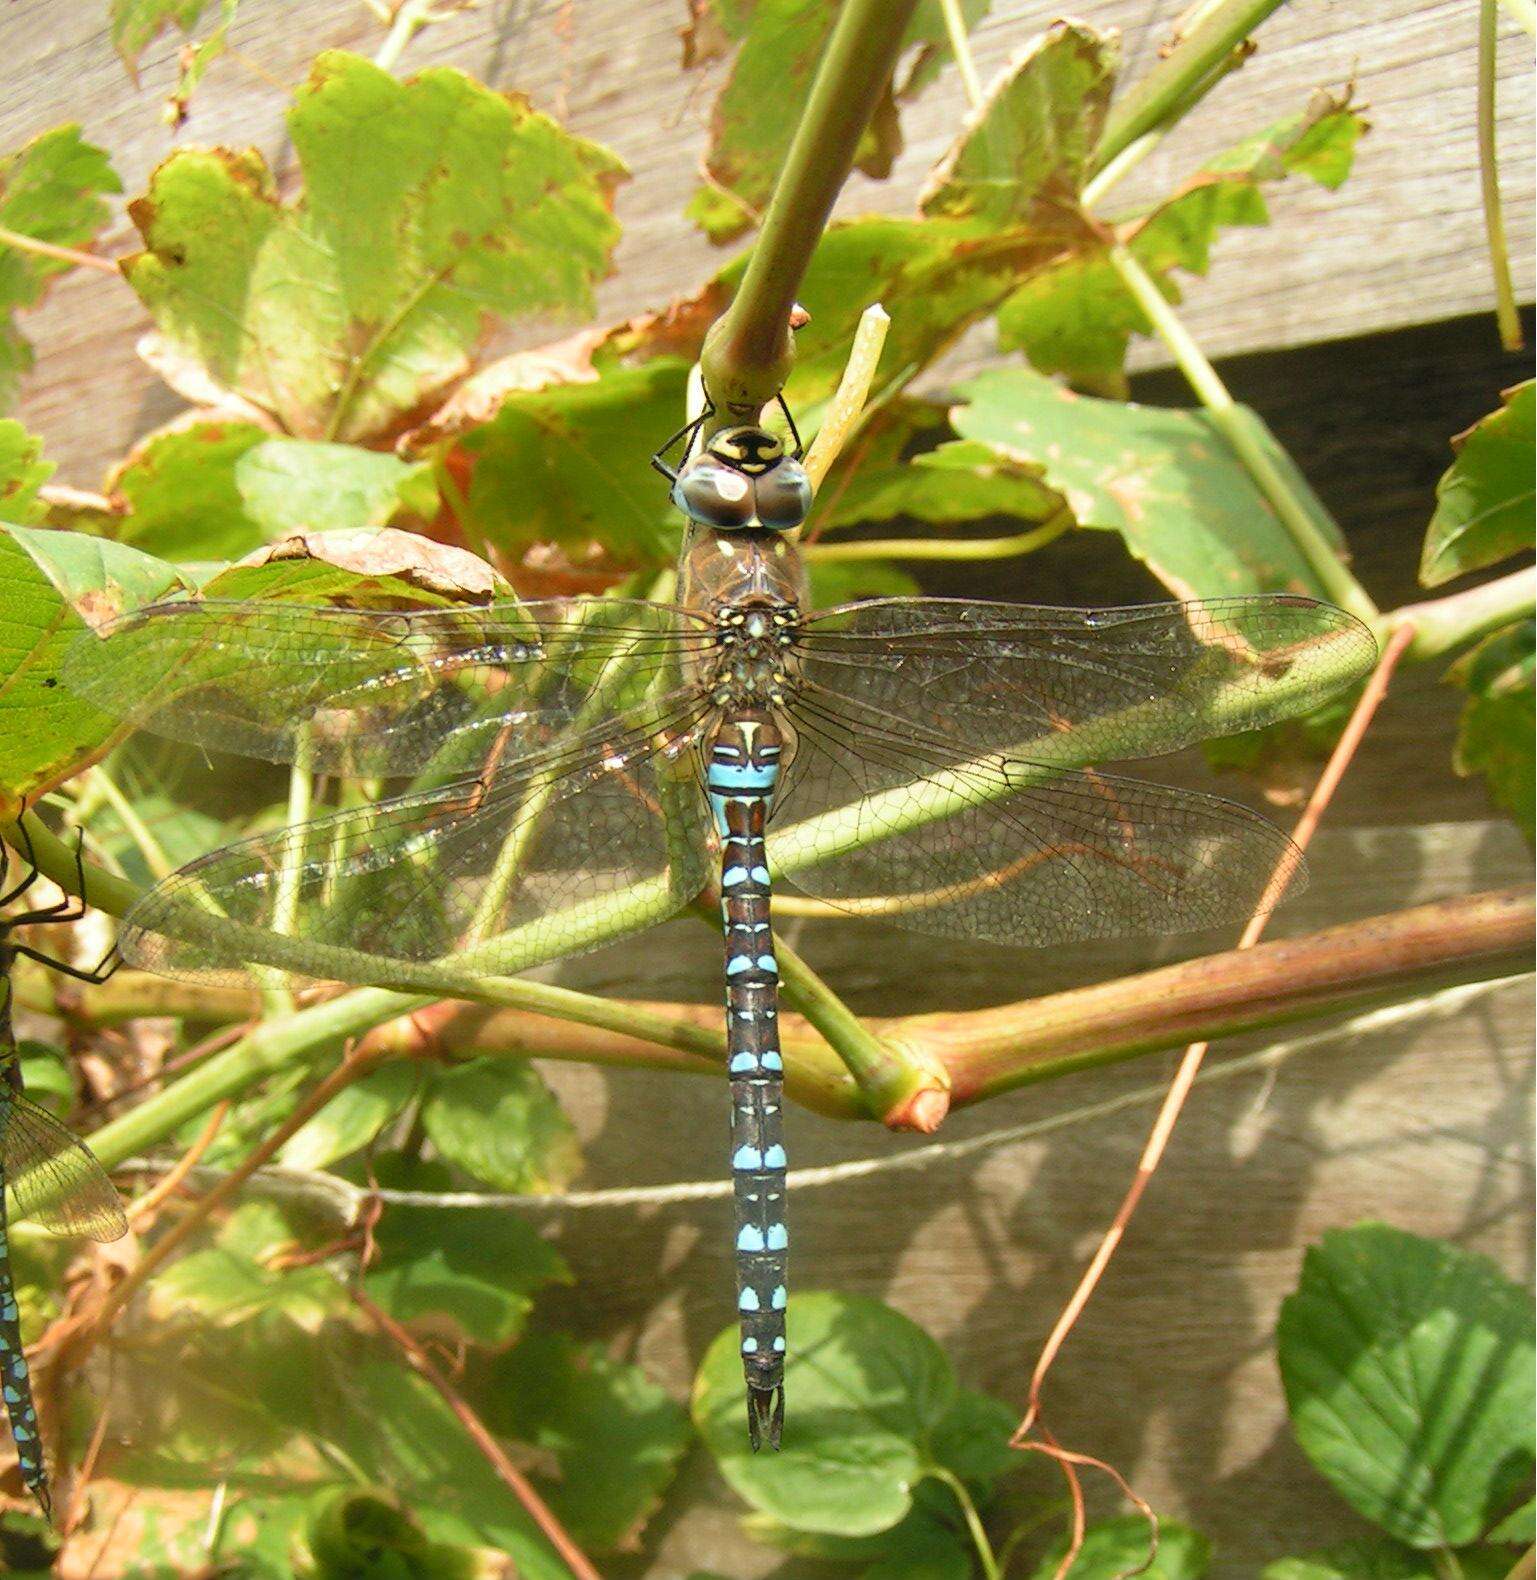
(1182, 74)
(964, 549)
(410, 19)
(48, 249)
(1441, 625)
(273, 1046)
(960, 47)
(1505, 315)
(747, 354)
(149, 847)
(1322, 559)
(900, 1086)
(1124, 162)
(985, 1556)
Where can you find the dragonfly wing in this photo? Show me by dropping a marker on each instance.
(546, 857)
(53, 1176)
(1002, 848)
(1083, 685)
(376, 692)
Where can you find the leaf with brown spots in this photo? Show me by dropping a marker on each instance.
(781, 43)
(50, 584)
(52, 192)
(430, 209)
(1166, 480)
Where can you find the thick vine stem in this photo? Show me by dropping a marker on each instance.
(1192, 66)
(748, 354)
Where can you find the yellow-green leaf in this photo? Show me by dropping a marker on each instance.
(429, 208)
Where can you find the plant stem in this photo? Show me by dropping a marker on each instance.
(1505, 315)
(1124, 162)
(1324, 562)
(1442, 625)
(148, 846)
(47, 249)
(1168, 88)
(410, 19)
(846, 408)
(747, 354)
(901, 1086)
(964, 549)
(985, 1557)
(960, 47)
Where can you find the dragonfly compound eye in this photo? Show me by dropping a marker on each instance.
(715, 494)
(784, 495)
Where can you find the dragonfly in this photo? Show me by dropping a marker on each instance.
(52, 1175)
(569, 771)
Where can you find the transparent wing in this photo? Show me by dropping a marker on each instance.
(53, 1177)
(373, 692)
(1089, 685)
(548, 857)
(996, 846)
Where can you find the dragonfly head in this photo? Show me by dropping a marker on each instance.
(742, 479)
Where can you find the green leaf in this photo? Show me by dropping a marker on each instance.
(570, 464)
(873, 1398)
(52, 192)
(496, 1119)
(353, 1534)
(1121, 1546)
(135, 23)
(294, 485)
(179, 495)
(225, 1287)
(1021, 162)
(467, 1274)
(46, 732)
(759, 105)
(1381, 1558)
(427, 206)
(1484, 501)
(616, 1437)
(1408, 1368)
(23, 471)
(1494, 736)
(927, 1554)
(352, 1119)
(1166, 480)
(1077, 318)
(906, 464)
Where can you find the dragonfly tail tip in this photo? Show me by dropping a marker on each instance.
(765, 1415)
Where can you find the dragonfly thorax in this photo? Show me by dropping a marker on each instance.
(754, 653)
(744, 478)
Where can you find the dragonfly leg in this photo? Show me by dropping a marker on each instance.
(95, 975)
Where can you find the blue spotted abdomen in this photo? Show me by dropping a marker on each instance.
(741, 774)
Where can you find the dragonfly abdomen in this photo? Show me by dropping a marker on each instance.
(741, 774)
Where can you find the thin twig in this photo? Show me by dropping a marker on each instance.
(184, 1165)
(520, 1486)
(960, 47)
(48, 249)
(351, 1069)
(1505, 314)
(1163, 1125)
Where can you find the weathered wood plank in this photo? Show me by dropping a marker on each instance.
(1401, 244)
